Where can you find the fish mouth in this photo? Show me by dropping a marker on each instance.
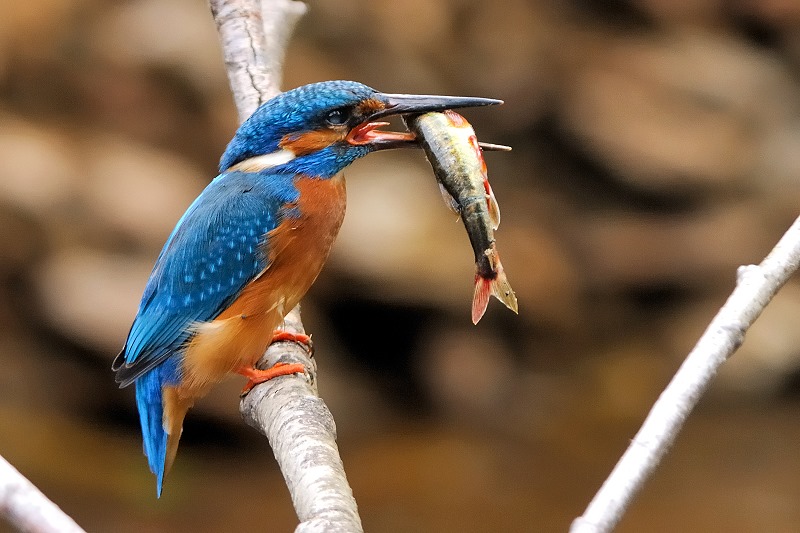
(369, 134)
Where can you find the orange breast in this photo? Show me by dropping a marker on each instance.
(297, 248)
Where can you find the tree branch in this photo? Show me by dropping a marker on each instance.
(302, 433)
(756, 285)
(297, 423)
(254, 36)
(27, 509)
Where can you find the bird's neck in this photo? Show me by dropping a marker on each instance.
(322, 164)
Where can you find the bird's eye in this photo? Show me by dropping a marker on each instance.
(337, 117)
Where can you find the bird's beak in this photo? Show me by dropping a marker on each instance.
(406, 104)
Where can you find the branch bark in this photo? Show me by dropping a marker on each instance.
(287, 410)
(254, 35)
(756, 286)
(27, 509)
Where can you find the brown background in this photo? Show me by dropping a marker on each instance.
(655, 150)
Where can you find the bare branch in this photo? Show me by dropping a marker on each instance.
(755, 287)
(254, 35)
(287, 410)
(302, 434)
(27, 509)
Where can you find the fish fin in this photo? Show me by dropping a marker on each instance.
(491, 202)
(499, 287)
(449, 201)
(480, 299)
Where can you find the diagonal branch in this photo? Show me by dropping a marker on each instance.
(27, 509)
(287, 410)
(755, 287)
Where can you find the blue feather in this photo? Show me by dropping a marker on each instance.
(149, 401)
(214, 251)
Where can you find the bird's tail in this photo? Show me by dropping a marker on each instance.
(160, 433)
(497, 286)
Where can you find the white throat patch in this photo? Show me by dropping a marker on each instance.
(264, 162)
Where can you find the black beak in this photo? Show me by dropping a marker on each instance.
(368, 133)
(402, 104)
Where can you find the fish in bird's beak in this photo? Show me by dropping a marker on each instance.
(404, 104)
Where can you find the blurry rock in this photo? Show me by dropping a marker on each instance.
(626, 250)
(783, 14)
(683, 12)
(32, 29)
(173, 33)
(505, 53)
(38, 168)
(545, 279)
(628, 377)
(440, 47)
(686, 111)
(139, 190)
(21, 241)
(91, 297)
(468, 372)
(424, 23)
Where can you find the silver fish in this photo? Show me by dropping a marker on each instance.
(454, 153)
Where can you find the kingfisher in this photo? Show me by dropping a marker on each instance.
(249, 247)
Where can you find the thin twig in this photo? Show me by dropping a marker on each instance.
(755, 287)
(27, 509)
(298, 424)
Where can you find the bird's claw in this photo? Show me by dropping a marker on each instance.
(257, 376)
(304, 340)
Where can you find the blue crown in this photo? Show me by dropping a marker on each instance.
(294, 111)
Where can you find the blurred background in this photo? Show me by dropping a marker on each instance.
(655, 150)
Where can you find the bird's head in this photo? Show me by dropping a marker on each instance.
(319, 129)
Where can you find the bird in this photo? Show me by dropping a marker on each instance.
(250, 246)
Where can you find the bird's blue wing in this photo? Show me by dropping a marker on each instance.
(214, 251)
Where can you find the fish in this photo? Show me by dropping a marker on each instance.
(453, 150)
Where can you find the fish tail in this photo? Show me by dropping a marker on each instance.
(501, 289)
(497, 286)
(155, 433)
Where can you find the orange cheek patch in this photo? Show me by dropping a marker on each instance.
(311, 141)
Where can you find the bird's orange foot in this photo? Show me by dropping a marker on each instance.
(257, 376)
(280, 335)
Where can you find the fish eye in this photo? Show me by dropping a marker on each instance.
(338, 117)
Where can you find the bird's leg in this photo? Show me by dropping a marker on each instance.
(257, 376)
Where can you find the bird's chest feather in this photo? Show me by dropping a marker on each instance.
(297, 248)
(300, 245)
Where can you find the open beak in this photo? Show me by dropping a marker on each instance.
(406, 104)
